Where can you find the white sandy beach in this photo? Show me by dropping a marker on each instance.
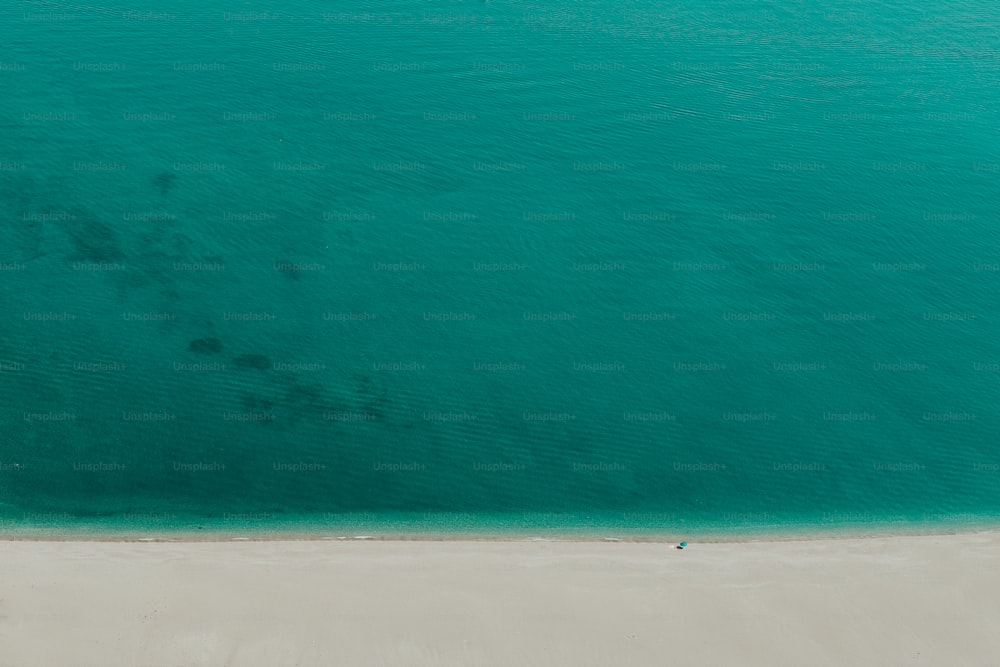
(930, 600)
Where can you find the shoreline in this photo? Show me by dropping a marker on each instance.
(186, 536)
(442, 527)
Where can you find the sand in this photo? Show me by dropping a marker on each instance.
(929, 600)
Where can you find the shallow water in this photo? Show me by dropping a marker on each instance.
(730, 268)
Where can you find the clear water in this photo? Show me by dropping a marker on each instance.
(669, 266)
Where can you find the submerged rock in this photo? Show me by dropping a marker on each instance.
(205, 345)
(258, 361)
(164, 181)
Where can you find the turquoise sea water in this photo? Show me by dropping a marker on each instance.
(628, 266)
